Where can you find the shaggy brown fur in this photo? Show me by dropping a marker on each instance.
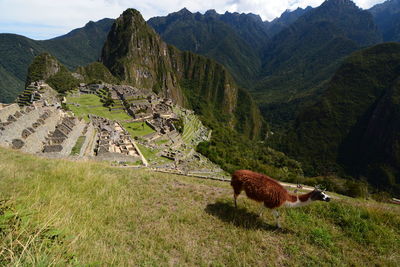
(262, 188)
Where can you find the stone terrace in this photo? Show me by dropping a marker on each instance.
(64, 137)
(26, 128)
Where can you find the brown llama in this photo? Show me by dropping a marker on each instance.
(262, 188)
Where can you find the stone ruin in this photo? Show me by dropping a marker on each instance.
(125, 92)
(161, 125)
(55, 139)
(113, 139)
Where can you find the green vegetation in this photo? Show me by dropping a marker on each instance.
(96, 73)
(14, 63)
(77, 147)
(77, 48)
(161, 142)
(193, 81)
(151, 155)
(353, 128)
(63, 81)
(84, 213)
(137, 128)
(24, 242)
(387, 18)
(191, 126)
(84, 105)
(232, 152)
(47, 68)
(300, 59)
(231, 40)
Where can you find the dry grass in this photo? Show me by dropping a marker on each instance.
(90, 214)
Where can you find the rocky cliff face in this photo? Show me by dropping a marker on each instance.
(136, 55)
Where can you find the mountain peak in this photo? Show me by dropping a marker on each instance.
(184, 11)
(211, 13)
(339, 3)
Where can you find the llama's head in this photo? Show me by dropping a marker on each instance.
(320, 195)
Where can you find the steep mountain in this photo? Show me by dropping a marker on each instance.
(232, 39)
(47, 68)
(135, 54)
(79, 47)
(287, 18)
(387, 18)
(16, 53)
(354, 127)
(299, 59)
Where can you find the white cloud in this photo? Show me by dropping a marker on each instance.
(42, 19)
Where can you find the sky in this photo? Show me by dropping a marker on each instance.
(45, 19)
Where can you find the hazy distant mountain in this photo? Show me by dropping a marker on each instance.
(287, 18)
(387, 17)
(303, 56)
(232, 39)
(79, 47)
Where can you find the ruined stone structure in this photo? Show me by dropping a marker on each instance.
(114, 141)
(91, 88)
(161, 125)
(64, 137)
(27, 127)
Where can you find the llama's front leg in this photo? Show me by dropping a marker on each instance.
(235, 199)
(276, 215)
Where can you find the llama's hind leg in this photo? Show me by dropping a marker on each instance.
(237, 189)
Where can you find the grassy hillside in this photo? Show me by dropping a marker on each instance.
(55, 212)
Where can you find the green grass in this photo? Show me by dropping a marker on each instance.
(151, 155)
(136, 128)
(78, 145)
(161, 142)
(90, 104)
(59, 212)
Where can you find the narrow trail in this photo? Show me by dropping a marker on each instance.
(144, 160)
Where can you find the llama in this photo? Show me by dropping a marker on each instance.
(262, 188)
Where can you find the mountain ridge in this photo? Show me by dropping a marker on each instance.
(136, 55)
(78, 47)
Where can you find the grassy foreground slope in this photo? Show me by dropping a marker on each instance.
(57, 212)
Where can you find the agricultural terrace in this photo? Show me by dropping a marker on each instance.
(137, 128)
(191, 126)
(84, 105)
